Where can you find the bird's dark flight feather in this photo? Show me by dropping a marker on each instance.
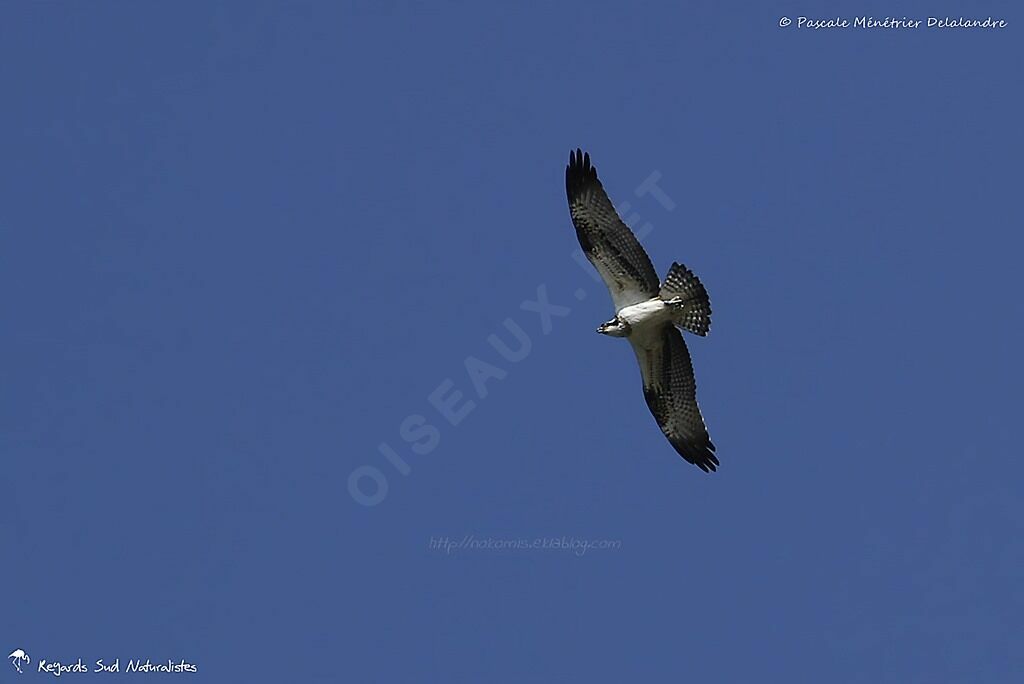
(671, 394)
(606, 240)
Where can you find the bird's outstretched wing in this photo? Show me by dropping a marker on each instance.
(671, 394)
(606, 240)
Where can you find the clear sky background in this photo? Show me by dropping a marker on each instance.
(241, 244)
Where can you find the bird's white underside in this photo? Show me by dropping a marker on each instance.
(652, 312)
(646, 320)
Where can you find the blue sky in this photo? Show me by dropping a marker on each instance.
(242, 245)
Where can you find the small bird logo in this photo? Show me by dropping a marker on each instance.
(18, 657)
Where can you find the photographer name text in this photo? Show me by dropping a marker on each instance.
(867, 22)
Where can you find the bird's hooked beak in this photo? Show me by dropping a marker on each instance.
(614, 328)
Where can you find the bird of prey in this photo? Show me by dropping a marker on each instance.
(647, 311)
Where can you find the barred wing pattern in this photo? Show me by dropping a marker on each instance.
(671, 394)
(606, 240)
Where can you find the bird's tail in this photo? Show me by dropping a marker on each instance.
(685, 293)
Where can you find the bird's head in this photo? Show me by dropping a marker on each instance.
(615, 328)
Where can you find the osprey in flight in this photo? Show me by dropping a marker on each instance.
(647, 311)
